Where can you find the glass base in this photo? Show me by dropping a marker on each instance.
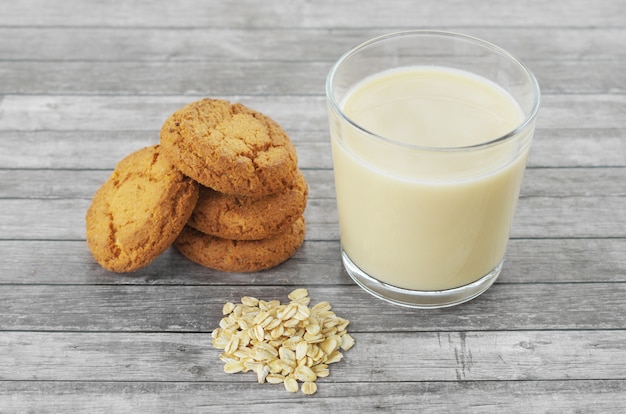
(430, 299)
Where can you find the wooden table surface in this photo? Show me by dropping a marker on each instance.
(84, 83)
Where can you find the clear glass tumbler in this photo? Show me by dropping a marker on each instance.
(426, 188)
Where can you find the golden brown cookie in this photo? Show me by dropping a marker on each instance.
(249, 218)
(240, 256)
(139, 211)
(230, 148)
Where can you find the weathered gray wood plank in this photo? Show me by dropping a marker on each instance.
(163, 78)
(527, 261)
(207, 44)
(294, 113)
(198, 308)
(217, 77)
(606, 396)
(320, 14)
(390, 357)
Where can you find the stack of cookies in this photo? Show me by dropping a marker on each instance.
(223, 186)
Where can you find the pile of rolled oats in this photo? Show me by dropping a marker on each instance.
(282, 343)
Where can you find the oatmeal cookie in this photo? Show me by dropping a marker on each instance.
(249, 218)
(230, 148)
(240, 256)
(139, 211)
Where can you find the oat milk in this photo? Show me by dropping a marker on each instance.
(427, 220)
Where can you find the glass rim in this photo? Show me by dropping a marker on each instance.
(523, 125)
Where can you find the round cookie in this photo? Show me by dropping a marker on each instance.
(230, 148)
(139, 211)
(240, 256)
(249, 218)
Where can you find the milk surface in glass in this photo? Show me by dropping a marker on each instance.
(439, 222)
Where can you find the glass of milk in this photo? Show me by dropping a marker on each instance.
(430, 134)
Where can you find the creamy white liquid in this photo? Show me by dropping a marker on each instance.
(427, 220)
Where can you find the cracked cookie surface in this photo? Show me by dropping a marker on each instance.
(229, 148)
(139, 211)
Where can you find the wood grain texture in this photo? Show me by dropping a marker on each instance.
(428, 356)
(216, 77)
(606, 396)
(209, 44)
(83, 83)
(197, 308)
(297, 114)
(305, 14)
